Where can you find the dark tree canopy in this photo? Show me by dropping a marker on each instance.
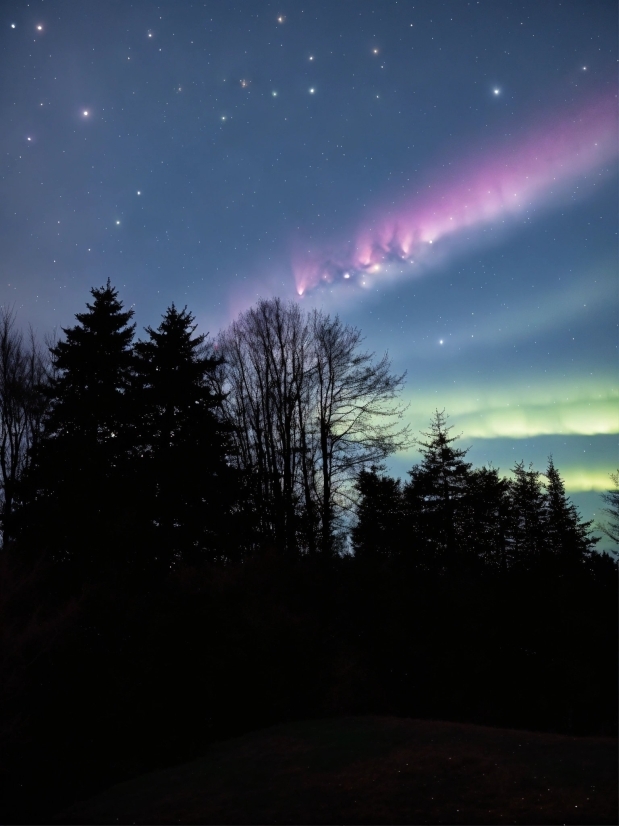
(449, 514)
(179, 567)
(437, 490)
(610, 527)
(184, 475)
(308, 409)
(77, 502)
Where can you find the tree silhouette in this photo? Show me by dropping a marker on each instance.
(611, 497)
(183, 470)
(308, 410)
(487, 516)
(527, 536)
(23, 374)
(436, 492)
(565, 534)
(75, 497)
(377, 531)
(356, 412)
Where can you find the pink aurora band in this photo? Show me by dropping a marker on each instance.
(535, 172)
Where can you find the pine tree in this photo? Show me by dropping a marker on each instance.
(75, 503)
(184, 474)
(487, 516)
(377, 532)
(436, 492)
(566, 536)
(527, 537)
(611, 497)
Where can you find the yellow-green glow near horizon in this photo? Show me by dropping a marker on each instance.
(522, 420)
(587, 406)
(578, 479)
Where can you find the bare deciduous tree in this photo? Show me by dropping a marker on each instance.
(309, 410)
(23, 372)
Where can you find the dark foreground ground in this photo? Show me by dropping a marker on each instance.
(375, 770)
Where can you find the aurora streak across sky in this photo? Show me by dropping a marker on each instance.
(537, 172)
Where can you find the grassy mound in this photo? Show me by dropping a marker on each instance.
(375, 770)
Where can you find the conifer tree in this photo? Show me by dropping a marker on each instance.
(610, 528)
(184, 475)
(75, 501)
(437, 489)
(566, 535)
(377, 532)
(527, 539)
(487, 516)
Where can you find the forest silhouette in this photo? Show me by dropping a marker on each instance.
(200, 538)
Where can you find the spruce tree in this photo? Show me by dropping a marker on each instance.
(610, 528)
(437, 489)
(567, 537)
(75, 503)
(527, 538)
(184, 474)
(487, 516)
(377, 532)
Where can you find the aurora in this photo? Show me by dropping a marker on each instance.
(551, 164)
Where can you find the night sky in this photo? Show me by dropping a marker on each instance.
(441, 174)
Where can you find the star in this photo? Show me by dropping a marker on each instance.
(274, 93)
(12, 25)
(311, 57)
(117, 223)
(312, 91)
(440, 341)
(85, 113)
(39, 28)
(139, 193)
(497, 91)
(281, 18)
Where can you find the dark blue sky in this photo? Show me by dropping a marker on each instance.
(212, 153)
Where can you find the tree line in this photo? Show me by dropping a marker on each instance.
(448, 511)
(200, 537)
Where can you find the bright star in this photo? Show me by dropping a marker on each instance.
(497, 91)
(441, 341)
(39, 28)
(139, 193)
(274, 93)
(346, 275)
(85, 113)
(117, 223)
(311, 57)
(311, 91)
(281, 18)
(28, 139)
(12, 25)
(375, 51)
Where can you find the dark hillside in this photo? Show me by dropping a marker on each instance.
(375, 770)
